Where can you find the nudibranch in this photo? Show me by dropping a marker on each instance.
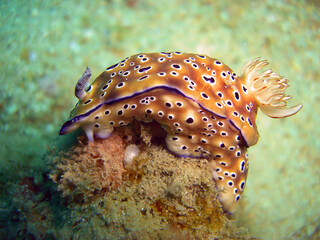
(205, 108)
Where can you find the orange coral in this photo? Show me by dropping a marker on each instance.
(90, 169)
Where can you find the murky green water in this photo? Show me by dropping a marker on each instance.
(46, 45)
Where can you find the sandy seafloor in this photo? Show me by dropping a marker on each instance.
(46, 45)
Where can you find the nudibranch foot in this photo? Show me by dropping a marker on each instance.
(204, 107)
(230, 176)
(92, 132)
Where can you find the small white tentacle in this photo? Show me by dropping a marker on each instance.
(82, 84)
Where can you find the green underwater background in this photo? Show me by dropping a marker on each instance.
(46, 46)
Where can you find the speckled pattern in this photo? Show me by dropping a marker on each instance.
(205, 108)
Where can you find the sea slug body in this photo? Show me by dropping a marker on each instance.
(206, 109)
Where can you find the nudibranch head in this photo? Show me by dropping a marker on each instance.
(205, 108)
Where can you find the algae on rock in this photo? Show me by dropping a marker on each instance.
(160, 196)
